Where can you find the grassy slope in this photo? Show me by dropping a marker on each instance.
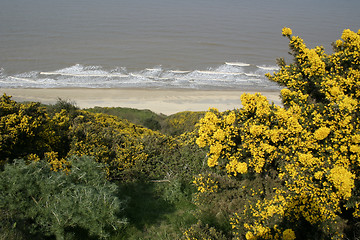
(152, 215)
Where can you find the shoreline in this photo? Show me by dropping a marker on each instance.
(165, 101)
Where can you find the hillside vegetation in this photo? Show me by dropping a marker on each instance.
(258, 172)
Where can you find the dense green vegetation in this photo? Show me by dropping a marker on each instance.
(151, 171)
(259, 172)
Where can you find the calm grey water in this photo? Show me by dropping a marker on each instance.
(159, 43)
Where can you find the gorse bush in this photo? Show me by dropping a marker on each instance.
(112, 141)
(310, 146)
(24, 129)
(39, 200)
(29, 131)
(132, 152)
(128, 151)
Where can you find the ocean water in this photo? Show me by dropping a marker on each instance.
(198, 44)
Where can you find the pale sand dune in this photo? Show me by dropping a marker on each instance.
(164, 101)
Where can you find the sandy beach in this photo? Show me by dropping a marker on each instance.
(166, 101)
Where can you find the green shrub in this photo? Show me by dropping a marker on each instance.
(39, 200)
(172, 157)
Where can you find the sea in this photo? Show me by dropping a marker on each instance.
(160, 44)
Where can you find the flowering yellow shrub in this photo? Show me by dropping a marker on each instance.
(312, 143)
(24, 129)
(31, 132)
(110, 140)
(218, 132)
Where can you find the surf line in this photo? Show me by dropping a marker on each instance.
(178, 71)
(221, 73)
(23, 79)
(170, 71)
(239, 64)
(83, 75)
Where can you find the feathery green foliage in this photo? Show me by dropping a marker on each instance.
(39, 200)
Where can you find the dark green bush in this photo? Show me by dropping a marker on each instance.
(172, 157)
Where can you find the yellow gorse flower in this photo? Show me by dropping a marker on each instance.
(286, 31)
(321, 133)
(343, 180)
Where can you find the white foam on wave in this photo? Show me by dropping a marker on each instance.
(153, 69)
(220, 73)
(225, 76)
(178, 71)
(86, 71)
(143, 77)
(242, 64)
(23, 79)
(269, 68)
(238, 64)
(83, 75)
(252, 75)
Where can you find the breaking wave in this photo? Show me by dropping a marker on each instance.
(230, 75)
